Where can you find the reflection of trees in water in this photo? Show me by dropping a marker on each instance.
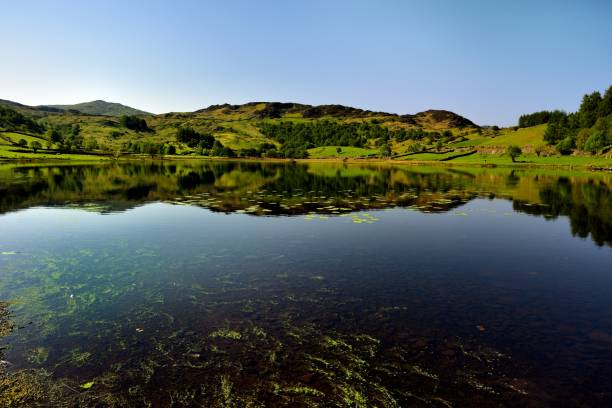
(586, 204)
(296, 189)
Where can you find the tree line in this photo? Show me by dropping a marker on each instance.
(589, 129)
(297, 137)
(12, 120)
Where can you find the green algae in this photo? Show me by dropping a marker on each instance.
(226, 334)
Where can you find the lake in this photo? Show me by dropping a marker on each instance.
(212, 283)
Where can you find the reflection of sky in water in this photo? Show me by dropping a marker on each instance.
(479, 287)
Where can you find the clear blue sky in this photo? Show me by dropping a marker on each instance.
(487, 60)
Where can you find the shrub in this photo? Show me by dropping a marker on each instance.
(566, 145)
(596, 141)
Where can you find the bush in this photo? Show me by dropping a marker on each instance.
(134, 123)
(566, 145)
(596, 141)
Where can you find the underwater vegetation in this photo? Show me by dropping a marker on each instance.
(267, 356)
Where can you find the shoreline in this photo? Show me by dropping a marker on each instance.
(606, 164)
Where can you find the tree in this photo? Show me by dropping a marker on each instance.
(581, 139)
(596, 141)
(513, 151)
(533, 119)
(170, 149)
(554, 133)
(54, 136)
(35, 145)
(605, 106)
(22, 142)
(91, 144)
(152, 149)
(338, 150)
(588, 109)
(385, 150)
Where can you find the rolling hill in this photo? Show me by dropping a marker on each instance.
(98, 107)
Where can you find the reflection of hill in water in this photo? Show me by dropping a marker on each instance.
(290, 189)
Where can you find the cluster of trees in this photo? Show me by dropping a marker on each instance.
(10, 119)
(151, 148)
(65, 137)
(34, 144)
(319, 133)
(297, 138)
(219, 150)
(588, 129)
(534, 119)
(134, 122)
(193, 138)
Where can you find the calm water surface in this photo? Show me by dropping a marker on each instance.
(244, 284)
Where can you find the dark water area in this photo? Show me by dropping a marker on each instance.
(250, 284)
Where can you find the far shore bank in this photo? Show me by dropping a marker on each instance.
(565, 162)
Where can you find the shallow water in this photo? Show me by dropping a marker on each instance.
(237, 284)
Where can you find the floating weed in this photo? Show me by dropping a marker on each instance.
(87, 385)
(226, 391)
(363, 220)
(226, 334)
(8, 253)
(351, 397)
(330, 342)
(418, 370)
(79, 358)
(460, 213)
(302, 390)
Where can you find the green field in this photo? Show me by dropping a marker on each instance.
(345, 151)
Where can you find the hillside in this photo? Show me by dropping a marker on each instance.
(263, 129)
(99, 107)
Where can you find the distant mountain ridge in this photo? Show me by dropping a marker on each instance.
(98, 107)
(433, 118)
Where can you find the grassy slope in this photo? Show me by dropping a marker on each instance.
(346, 151)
